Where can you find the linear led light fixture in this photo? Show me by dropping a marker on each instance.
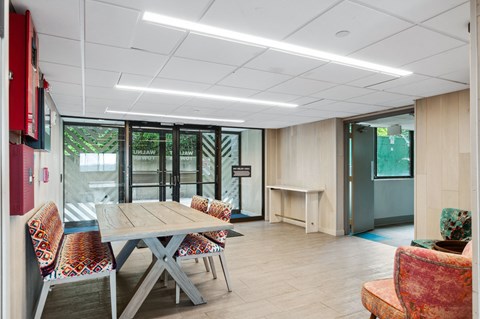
(204, 95)
(226, 34)
(174, 116)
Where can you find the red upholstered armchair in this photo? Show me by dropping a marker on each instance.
(426, 284)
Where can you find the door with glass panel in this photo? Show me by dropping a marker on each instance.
(152, 176)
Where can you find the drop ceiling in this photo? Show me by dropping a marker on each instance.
(427, 37)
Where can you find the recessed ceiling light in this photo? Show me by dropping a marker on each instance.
(342, 33)
(230, 35)
(204, 95)
(174, 116)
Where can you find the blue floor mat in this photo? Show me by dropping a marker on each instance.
(371, 236)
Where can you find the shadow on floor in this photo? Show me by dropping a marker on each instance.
(395, 235)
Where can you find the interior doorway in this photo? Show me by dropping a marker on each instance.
(380, 180)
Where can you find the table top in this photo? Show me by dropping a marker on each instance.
(296, 189)
(146, 220)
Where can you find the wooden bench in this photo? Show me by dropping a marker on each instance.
(68, 258)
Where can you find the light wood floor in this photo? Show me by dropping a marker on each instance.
(277, 272)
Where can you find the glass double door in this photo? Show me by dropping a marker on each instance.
(172, 163)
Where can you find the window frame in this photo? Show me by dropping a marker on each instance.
(375, 156)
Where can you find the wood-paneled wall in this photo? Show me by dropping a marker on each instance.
(442, 150)
(309, 156)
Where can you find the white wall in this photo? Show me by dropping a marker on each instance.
(252, 186)
(24, 270)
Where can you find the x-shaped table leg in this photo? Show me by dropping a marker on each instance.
(165, 260)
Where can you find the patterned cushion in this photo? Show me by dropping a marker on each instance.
(432, 284)
(424, 243)
(456, 224)
(199, 203)
(223, 211)
(83, 254)
(46, 232)
(196, 244)
(379, 297)
(468, 250)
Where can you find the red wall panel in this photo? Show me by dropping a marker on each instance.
(21, 179)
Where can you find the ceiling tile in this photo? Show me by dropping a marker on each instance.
(183, 9)
(336, 73)
(385, 99)
(54, 17)
(195, 71)
(362, 23)
(61, 72)
(443, 63)
(298, 86)
(133, 61)
(398, 82)
(267, 18)
(319, 104)
(216, 50)
(178, 85)
(407, 46)
(134, 80)
(277, 97)
(145, 32)
(66, 101)
(101, 78)
(65, 88)
(342, 92)
(325, 113)
(429, 87)
(415, 10)
(155, 108)
(231, 91)
(111, 93)
(370, 80)
(461, 75)
(59, 50)
(305, 100)
(352, 107)
(280, 62)
(253, 79)
(453, 22)
(110, 25)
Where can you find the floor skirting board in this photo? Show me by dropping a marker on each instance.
(393, 220)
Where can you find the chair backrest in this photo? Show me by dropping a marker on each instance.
(456, 224)
(199, 203)
(433, 284)
(46, 231)
(223, 211)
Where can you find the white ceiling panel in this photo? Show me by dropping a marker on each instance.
(407, 46)
(277, 97)
(61, 72)
(102, 57)
(65, 88)
(336, 73)
(443, 63)
(111, 93)
(278, 111)
(100, 103)
(59, 50)
(372, 80)
(279, 62)
(453, 22)
(267, 18)
(342, 92)
(55, 17)
(183, 9)
(157, 39)
(108, 24)
(461, 75)
(195, 71)
(305, 100)
(178, 85)
(384, 99)
(352, 107)
(298, 86)
(155, 108)
(253, 79)
(216, 50)
(101, 78)
(231, 91)
(429, 87)
(415, 10)
(360, 21)
(319, 104)
(66, 101)
(134, 80)
(399, 82)
(160, 99)
(324, 113)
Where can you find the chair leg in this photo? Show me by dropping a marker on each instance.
(212, 265)
(177, 288)
(196, 260)
(372, 316)
(223, 261)
(205, 261)
(165, 278)
(42, 299)
(113, 293)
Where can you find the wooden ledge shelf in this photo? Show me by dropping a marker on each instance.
(276, 209)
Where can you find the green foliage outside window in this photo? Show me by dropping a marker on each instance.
(393, 154)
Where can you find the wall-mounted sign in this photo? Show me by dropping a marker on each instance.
(241, 171)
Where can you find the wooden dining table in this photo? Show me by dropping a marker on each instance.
(133, 222)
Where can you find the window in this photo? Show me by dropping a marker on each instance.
(393, 154)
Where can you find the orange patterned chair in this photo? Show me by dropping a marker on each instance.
(426, 284)
(68, 258)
